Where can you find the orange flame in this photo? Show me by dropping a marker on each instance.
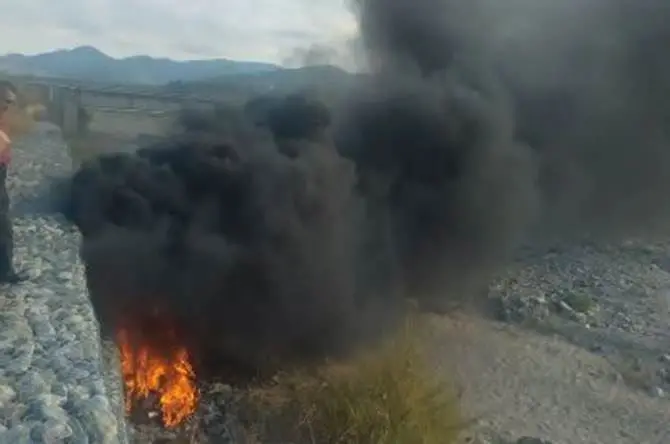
(171, 378)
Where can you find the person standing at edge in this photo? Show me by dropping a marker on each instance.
(7, 273)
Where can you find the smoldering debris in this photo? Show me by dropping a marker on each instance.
(280, 231)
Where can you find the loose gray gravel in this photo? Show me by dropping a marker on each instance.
(582, 354)
(53, 388)
(613, 300)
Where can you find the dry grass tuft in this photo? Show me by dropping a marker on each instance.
(20, 121)
(87, 146)
(36, 111)
(386, 396)
(22, 117)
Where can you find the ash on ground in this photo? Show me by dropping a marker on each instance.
(212, 423)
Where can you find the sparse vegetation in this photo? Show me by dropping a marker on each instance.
(21, 118)
(80, 150)
(580, 301)
(19, 121)
(88, 145)
(386, 396)
(29, 109)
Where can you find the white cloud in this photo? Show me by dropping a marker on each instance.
(266, 30)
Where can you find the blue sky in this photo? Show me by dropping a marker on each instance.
(265, 30)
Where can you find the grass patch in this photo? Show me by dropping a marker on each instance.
(80, 149)
(36, 111)
(580, 301)
(20, 121)
(386, 396)
(87, 146)
(22, 117)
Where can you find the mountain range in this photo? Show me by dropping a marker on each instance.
(86, 63)
(322, 79)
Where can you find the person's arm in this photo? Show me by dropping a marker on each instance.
(5, 151)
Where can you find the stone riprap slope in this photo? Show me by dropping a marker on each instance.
(52, 384)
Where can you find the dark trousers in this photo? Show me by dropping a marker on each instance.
(6, 234)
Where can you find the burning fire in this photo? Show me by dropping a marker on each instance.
(171, 379)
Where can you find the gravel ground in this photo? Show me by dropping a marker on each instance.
(52, 388)
(580, 352)
(612, 300)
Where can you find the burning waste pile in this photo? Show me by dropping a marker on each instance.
(148, 372)
(239, 247)
(281, 233)
(254, 247)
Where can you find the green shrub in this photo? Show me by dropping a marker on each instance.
(388, 395)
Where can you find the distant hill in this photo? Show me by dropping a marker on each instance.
(86, 63)
(326, 80)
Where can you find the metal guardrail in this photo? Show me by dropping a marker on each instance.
(125, 91)
(69, 105)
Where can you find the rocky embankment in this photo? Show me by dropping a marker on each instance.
(52, 384)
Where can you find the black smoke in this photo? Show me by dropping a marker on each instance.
(584, 86)
(284, 230)
(249, 246)
(590, 90)
(312, 55)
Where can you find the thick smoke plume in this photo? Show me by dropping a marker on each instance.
(282, 231)
(591, 91)
(248, 242)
